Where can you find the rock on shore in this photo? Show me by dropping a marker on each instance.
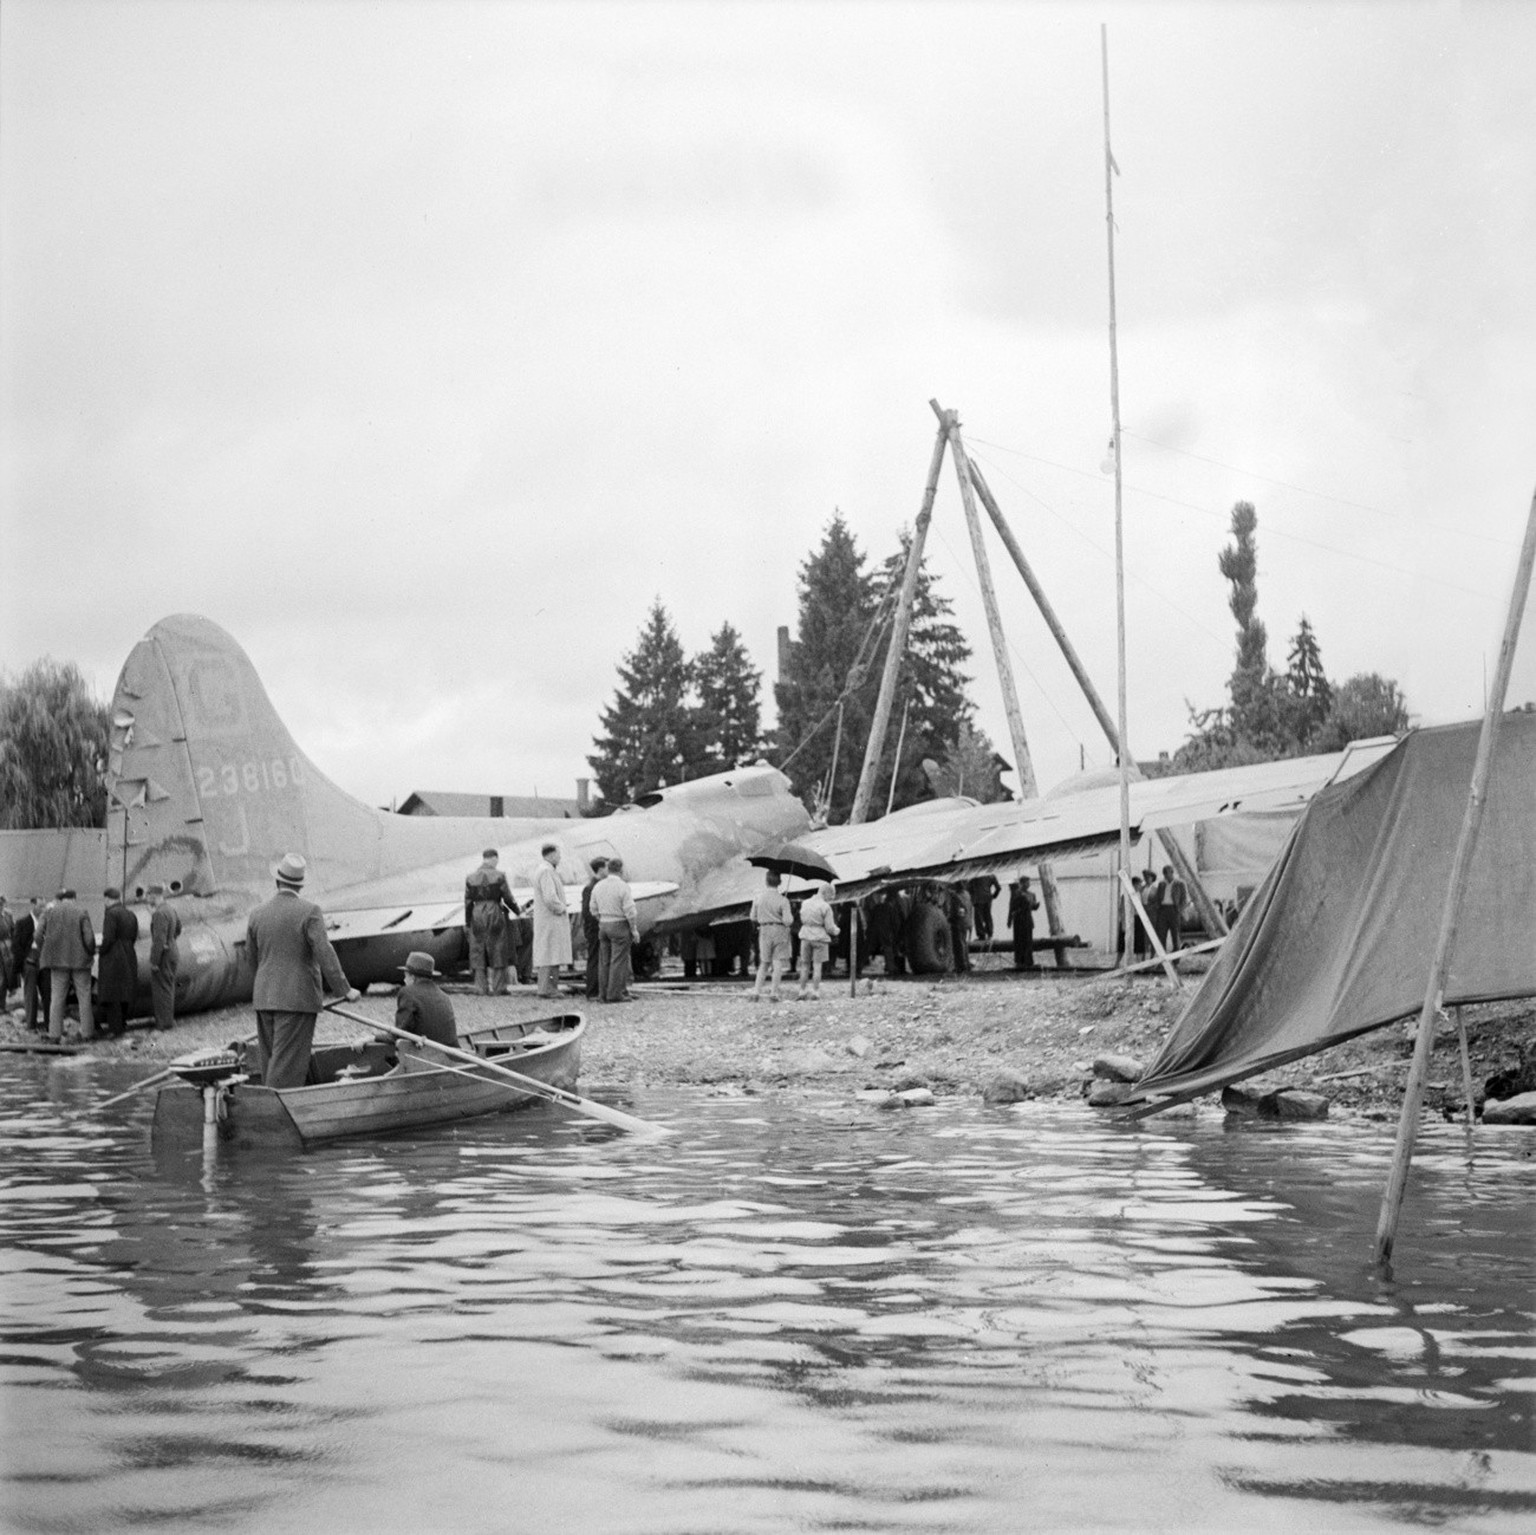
(988, 1033)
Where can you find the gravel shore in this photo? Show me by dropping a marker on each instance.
(953, 1034)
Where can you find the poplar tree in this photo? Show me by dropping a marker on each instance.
(53, 749)
(728, 719)
(1269, 716)
(1255, 714)
(649, 737)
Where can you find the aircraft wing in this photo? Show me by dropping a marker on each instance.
(351, 923)
(952, 839)
(723, 894)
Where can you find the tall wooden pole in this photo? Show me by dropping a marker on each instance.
(1210, 915)
(901, 740)
(1121, 736)
(1450, 915)
(898, 646)
(1029, 788)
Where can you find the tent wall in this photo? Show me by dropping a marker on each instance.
(1338, 939)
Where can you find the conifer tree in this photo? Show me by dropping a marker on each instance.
(650, 728)
(728, 720)
(833, 646)
(1310, 694)
(973, 767)
(931, 677)
(845, 627)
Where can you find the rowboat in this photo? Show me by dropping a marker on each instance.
(372, 1090)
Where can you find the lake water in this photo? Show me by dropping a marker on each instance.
(789, 1316)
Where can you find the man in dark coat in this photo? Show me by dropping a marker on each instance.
(1023, 903)
(984, 891)
(1175, 894)
(957, 908)
(164, 930)
(422, 1007)
(487, 904)
(589, 924)
(1152, 900)
(66, 948)
(117, 976)
(24, 949)
(7, 963)
(294, 965)
(886, 917)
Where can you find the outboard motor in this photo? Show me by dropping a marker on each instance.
(215, 1073)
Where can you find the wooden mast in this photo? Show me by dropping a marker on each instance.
(1214, 921)
(901, 740)
(898, 646)
(1111, 170)
(1450, 915)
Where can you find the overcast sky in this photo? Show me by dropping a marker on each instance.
(424, 345)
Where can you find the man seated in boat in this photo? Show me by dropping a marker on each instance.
(422, 1006)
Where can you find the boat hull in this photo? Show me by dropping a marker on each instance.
(414, 1093)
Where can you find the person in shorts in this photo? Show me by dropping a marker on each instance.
(818, 932)
(772, 918)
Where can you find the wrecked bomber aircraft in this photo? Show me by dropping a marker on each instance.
(207, 791)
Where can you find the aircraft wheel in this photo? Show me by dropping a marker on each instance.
(927, 942)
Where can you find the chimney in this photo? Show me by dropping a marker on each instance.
(583, 794)
(498, 805)
(783, 650)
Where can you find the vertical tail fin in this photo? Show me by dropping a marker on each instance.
(206, 788)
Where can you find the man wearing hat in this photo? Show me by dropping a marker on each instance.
(551, 923)
(487, 900)
(164, 930)
(117, 976)
(65, 948)
(422, 1007)
(293, 965)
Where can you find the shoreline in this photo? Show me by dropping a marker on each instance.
(953, 1035)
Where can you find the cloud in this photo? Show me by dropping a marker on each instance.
(423, 356)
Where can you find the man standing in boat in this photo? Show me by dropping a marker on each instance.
(294, 965)
(422, 1007)
(551, 921)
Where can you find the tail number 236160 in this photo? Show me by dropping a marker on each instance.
(260, 776)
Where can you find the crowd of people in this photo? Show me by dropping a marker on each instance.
(49, 950)
(1163, 897)
(781, 938)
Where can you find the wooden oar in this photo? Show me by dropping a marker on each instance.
(138, 1087)
(531, 1085)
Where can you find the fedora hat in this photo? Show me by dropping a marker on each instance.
(419, 962)
(291, 870)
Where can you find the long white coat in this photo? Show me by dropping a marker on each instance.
(551, 923)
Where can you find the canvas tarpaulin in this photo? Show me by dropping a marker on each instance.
(1340, 936)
